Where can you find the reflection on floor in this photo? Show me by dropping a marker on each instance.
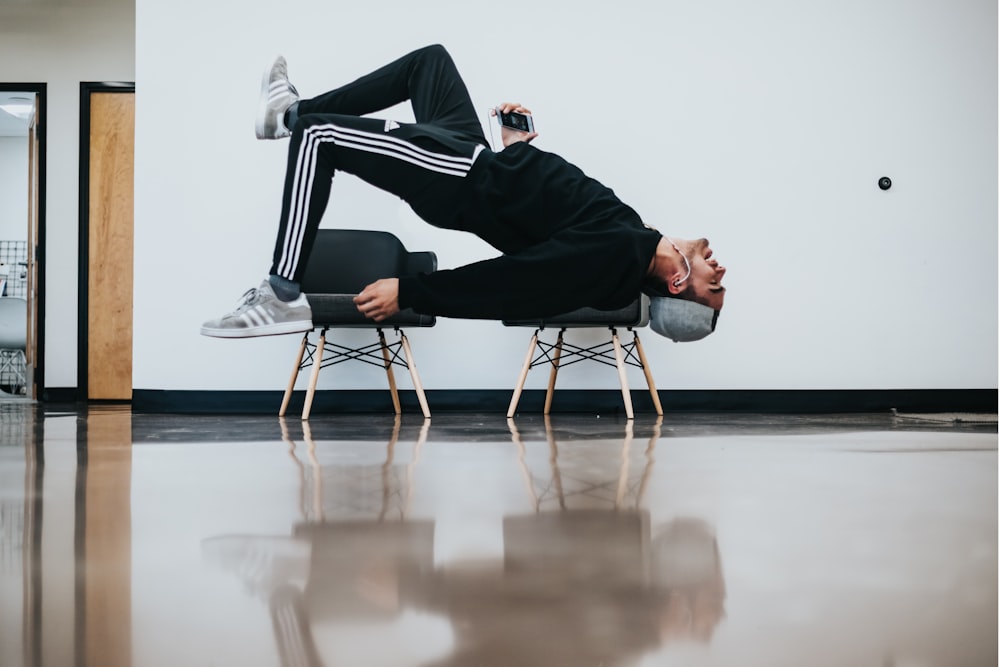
(132, 539)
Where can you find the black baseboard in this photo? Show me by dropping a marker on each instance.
(60, 395)
(602, 401)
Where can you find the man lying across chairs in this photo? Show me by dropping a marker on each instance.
(566, 240)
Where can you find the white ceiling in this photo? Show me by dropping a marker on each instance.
(10, 125)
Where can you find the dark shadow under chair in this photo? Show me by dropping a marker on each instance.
(610, 352)
(342, 263)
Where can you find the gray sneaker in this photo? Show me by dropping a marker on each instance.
(261, 313)
(276, 95)
(264, 563)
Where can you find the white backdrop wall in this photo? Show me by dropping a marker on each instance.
(763, 126)
(61, 44)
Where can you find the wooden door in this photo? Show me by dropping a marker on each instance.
(107, 539)
(110, 243)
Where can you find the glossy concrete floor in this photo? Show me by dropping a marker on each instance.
(579, 541)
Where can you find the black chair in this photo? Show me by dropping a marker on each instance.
(342, 263)
(611, 353)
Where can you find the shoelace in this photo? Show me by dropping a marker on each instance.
(248, 299)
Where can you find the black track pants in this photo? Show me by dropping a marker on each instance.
(425, 163)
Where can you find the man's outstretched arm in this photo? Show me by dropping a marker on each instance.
(501, 288)
(557, 276)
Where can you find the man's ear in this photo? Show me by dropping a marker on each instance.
(676, 283)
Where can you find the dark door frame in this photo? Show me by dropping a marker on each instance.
(41, 132)
(87, 88)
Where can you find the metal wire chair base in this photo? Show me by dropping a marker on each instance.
(382, 354)
(610, 353)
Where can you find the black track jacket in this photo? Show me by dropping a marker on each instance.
(567, 240)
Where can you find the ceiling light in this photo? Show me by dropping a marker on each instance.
(19, 109)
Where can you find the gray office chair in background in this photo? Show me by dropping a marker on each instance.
(13, 343)
(342, 263)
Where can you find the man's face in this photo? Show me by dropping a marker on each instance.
(706, 273)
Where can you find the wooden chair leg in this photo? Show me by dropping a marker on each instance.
(649, 375)
(317, 473)
(622, 488)
(295, 376)
(414, 376)
(515, 436)
(388, 372)
(552, 375)
(620, 358)
(648, 468)
(524, 376)
(554, 463)
(317, 362)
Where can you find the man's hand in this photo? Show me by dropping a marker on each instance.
(379, 300)
(507, 135)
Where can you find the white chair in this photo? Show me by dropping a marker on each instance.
(13, 342)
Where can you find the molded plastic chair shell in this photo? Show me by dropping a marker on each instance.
(344, 261)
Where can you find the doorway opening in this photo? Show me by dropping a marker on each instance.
(22, 239)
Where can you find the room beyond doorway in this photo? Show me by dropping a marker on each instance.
(22, 226)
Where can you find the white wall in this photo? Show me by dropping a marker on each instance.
(13, 188)
(62, 44)
(770, 124)
(764, 126)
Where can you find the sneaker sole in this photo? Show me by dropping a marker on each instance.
(260, 125)
(255, 332)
